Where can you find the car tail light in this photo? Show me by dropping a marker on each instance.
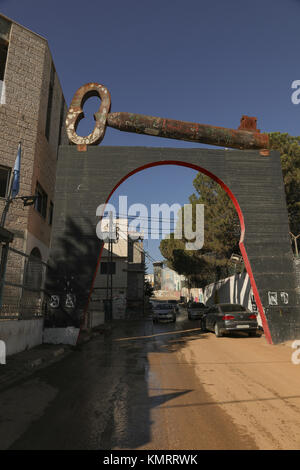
(228, 317)
(252, 317)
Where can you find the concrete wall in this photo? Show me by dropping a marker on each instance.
(96, 318)
(234, 290)
(20, 335)
(85, 179)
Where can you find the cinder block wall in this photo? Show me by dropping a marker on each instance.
(85, 179)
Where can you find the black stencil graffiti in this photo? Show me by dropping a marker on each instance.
(253, 304)
(284, 296)
(54, 301)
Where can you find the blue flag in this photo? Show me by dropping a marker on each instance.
(16, 175)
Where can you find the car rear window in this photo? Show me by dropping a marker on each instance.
(233, 308)
(199, 305)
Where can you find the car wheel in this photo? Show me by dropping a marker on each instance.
(217, 331)
(252, 334)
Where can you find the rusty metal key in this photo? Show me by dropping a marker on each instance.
(247, 136)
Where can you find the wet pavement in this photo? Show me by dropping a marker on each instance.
(128, 389)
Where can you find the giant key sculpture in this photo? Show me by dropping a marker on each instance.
(247, 136)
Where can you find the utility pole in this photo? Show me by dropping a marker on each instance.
(112, 237)
(294, 237)
(111, 275)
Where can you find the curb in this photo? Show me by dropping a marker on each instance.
(43, 360)
(29, 366)
(94, 334)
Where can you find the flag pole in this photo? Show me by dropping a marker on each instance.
(9, 198)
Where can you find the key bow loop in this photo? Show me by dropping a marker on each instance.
(75, 114)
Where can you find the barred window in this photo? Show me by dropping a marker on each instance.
(4, 180)
(107, 268)
(41, 201)
(51, 208)
(3, 56)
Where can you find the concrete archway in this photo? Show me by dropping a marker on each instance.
(254, 183)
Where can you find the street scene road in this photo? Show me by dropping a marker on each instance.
(158, 386)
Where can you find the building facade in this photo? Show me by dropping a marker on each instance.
(120, 277)
(166, 281)
(32, 111)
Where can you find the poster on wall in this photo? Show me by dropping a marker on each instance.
(272, 297)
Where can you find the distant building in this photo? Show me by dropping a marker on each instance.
(121, 274)
(157, 270)
(150, 279)
(166, 279)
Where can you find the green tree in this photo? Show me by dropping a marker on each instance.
(222, 227)
(221, 236)
(289, 149)
(148, 289)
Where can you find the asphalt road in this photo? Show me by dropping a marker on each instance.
(162, 386)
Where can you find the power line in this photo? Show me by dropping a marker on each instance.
(144, 218)
(141, 251)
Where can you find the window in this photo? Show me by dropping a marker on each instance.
(107, 268)
(5, 26)
(3, 56)
(130, 250)
(61, 119)
(4, 180)
(41, 201)
(49, 107)
(51, 207)
(213, 310)
(34, 270)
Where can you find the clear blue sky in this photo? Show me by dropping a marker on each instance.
(203, 61)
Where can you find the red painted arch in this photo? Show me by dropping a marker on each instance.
(241, 242)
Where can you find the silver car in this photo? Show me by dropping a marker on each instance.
(164, 313)
(196, 310)
(174, 304)
(226, 318)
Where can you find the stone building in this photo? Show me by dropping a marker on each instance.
(121, 274)
(32, 111)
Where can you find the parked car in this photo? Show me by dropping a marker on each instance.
(226, 318)
(164, 313)
(155, 302)
(174, 303)
(196, 310)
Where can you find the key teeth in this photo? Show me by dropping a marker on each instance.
(248, 123)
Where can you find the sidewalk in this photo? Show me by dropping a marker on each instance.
(22, 365)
